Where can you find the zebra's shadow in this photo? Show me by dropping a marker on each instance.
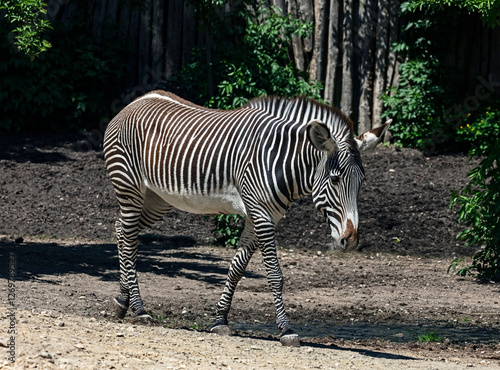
(174, 256)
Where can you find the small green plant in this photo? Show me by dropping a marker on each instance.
(459, 266)
(430, 336)
(227, 230)
(196, 327)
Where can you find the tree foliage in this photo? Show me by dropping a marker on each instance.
(252, 58)
(63, 90)
(489, 9)
(28, 22)
(417, 102)
(479, 209)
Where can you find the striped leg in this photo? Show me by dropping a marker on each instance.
(127, 230)
(238, 266)
(266, 235)
(134, 219)
(123, 300)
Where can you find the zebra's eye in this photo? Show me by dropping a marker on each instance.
(334, 179)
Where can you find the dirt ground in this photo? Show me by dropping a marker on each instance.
(357, 310)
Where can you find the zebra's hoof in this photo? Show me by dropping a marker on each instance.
(143, 318)
(290, 339)
(120, 309)
(221, 330)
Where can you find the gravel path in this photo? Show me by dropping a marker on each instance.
(47, 342)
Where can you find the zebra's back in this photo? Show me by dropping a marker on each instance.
(194, 158)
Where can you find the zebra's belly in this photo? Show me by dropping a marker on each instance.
(222, 202)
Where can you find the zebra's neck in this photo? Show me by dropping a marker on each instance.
(286, 137)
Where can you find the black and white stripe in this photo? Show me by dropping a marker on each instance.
(163, 152)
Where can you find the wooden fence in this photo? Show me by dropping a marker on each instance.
(350, 51)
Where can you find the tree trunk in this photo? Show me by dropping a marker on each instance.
(364, 46)
(132, 76)
(298, 51)
(157, 42)
(392, 71)
(347, 60)
(98, 24)
(380, 61)
(188, 32)
(174, 37)
(111, 13)
(210, 77)
(316, 67)
(306, 12)
(144, 45)
(333, 52)
(281, 5)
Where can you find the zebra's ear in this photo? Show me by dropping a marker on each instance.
(320, 137)
(370, 139)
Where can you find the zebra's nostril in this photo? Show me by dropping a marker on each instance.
(346, 238)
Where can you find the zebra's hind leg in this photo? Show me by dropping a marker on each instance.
(123, 300)
(127, 230)
(136, 216)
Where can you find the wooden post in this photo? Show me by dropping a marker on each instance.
(347, 59)
(144, 45)
(332, 52)
(365, 37)
(298, 51)
(380, 61)
(316, 67)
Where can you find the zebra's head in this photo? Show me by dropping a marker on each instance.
(339, 176)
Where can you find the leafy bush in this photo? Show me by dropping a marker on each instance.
(489, 10)
(27, 17)
(261, 65)
(480, 129)
(227, 230)
(479, 208)
(62, 90)
(417, 102)
(418, 105)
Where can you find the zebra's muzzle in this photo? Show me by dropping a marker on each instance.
(348, 241)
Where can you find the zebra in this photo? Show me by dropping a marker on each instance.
(163, 152)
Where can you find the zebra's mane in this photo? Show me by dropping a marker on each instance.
(305, 109)
(299, 109)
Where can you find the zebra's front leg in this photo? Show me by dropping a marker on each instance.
(275, 278)
(236, 270)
